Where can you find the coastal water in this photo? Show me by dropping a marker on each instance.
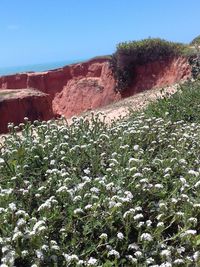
(36, 67)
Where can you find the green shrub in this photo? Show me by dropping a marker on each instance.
(196, 41)
(131, 54)
(183, 105)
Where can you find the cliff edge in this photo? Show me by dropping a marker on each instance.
(77, 88)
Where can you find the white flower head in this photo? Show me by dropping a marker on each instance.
(2, 161)
(189, 232)
(12, 206)
(136, 147)
(103, 236)
(146, 237)
(92, 262)
(165, 253)
(179, 262)
(114, 253)
(196, 255)
(120, 236)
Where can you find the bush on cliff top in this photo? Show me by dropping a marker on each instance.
(196, 41)
(131, 54)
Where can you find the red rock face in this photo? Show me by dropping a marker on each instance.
(17, 104)
(86, 92)
(159, 74)
(80, 87)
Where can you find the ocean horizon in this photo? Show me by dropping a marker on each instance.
(36, 67)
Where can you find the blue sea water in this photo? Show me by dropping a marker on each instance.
(36, 67)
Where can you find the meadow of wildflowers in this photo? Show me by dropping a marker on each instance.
(92, 194)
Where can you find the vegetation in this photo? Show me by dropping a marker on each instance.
(184, 105)
(90, 194)
(196, 41)
(131, 54)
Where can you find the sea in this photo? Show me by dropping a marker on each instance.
(36, 67)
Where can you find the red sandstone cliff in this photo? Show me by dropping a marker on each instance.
(76, 88)
(17, 104)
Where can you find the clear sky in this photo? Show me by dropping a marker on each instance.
(40, 31)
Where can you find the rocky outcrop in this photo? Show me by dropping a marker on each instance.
(80, 87)
(17, 104)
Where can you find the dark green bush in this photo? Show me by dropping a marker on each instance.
(131, 54)
(194, 61)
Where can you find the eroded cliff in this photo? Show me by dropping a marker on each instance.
(79, 87)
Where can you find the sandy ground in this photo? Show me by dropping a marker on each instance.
(137, 102)
(122, 108)
(18, 93)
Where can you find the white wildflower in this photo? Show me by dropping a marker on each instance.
(136, 147)
(183, 181)
(38, 224)
(138, 216)
(131, 259)
(192, 172)
(39, 254)
(192, 220)
(166, 264)
(78, 211)
(189, 233)
(158, 186)
(94, 190)
(21, 222)
(160, 224)
(150, 260)
(80, 263)
(77, 198)
(196, 255)
(197, 184)
(2, 161)
(62, 189)
(70, 258)
(179, 262)
(86, 171)
(138, 254)
(92, 262)
(17, 235)
(148, 223)
(120, 236)
(140, 224)
(103, 236)
(146, 237)
(88, 207)
(137, 175)
(133, 246)
(114, 253)
(12, 206)
(165, 253)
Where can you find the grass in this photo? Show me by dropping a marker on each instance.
(90, 194)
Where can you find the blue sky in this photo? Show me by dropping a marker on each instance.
(40, 31)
